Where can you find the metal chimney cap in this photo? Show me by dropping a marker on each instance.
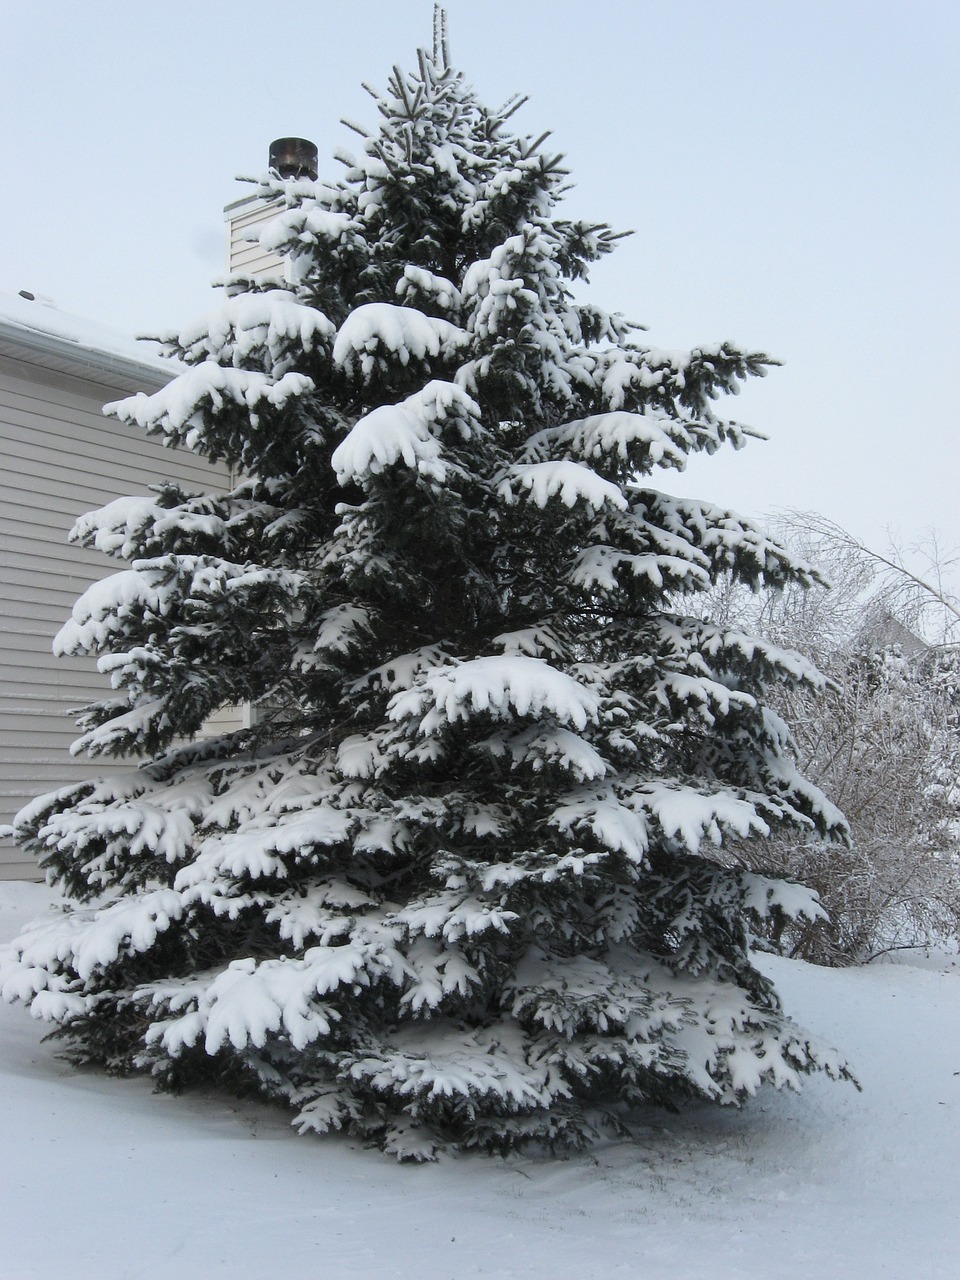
(294, 158)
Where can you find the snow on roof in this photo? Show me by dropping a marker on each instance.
(42, 329)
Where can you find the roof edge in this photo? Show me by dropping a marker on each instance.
(84, 360)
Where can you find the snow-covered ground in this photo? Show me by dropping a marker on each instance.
(101, 1179)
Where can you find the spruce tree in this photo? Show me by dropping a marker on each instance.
(473, 875)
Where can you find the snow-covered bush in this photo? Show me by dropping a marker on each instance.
(466, 880)
(883, 740)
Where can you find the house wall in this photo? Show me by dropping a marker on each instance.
(59, 457)
(245, 218)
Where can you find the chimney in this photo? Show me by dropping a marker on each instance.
(294, 158)
(290, 158)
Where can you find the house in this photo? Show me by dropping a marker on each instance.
(884, 631)
(60, 457)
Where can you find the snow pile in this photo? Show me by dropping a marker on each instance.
(377, 334)
(408, 431)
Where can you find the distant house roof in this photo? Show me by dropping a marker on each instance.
(35, 332)
(887, 630)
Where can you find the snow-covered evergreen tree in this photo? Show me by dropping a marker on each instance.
(472, 876)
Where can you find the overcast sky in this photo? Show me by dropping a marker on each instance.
(791, 170)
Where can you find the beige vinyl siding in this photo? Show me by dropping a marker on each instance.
(244, 256)
(59, 457)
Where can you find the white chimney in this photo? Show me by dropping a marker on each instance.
(290, 158)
